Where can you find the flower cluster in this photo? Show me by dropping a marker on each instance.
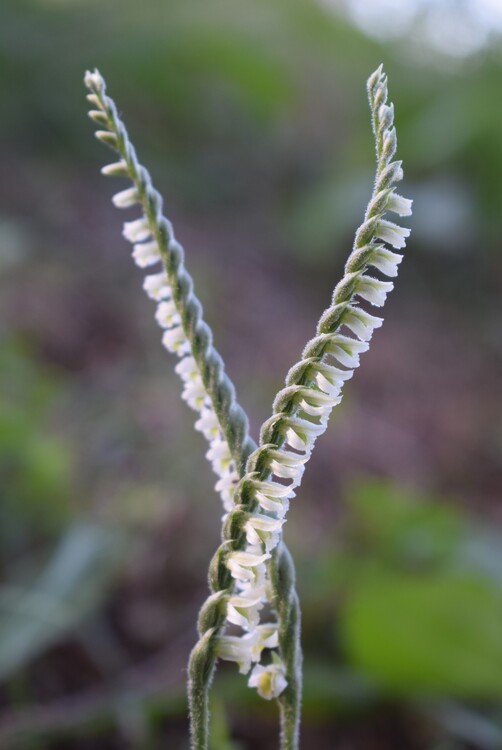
(147, 254)
(313, 387)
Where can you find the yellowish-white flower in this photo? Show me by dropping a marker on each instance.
(270, 680)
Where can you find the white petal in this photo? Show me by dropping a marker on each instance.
(187, 367)
(241, 564)
(194, 393)
(280, 507)
(270, 680)
(166, 314)
(174, 340)
(273, 489)
(238, 649)
(146, 254)
(374, 290)
(386, 261)
(287, 458)
(208, 424)
(118, 168)
(285, 471)
(361, 322)
(137, 231)
(157, 286)
(347, 350)
(399, 205)
(392, 233)
(126, 198)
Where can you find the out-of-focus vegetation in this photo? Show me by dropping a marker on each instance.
(253, 120)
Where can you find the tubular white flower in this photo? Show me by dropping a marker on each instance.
(208, 423)
(386, 261)
(219, 455)
(261, 529)
(269, 680)
(330, 379)
(146, 254)
(137, 230)
(117, 169)
(194, 393)
(346, 350)
(166, 316)
(399, 205)
(173, 339)
(392, 233)
(157, 286)
(242, 565)
(187, 367)
(360, 322)
(374, 290)
(243, 609)
(247, 648)
(126, 198)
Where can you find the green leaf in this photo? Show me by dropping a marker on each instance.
(436, 633)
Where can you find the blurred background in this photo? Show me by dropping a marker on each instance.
(254, 121)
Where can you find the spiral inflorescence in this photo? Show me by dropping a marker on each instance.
(301, 410)
(207, 390)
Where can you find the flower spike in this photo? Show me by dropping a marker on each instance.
(206, 387)
(207, 390)
(301, 413)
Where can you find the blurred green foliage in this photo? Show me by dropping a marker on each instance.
(257, 110)
(35, 464)
(414, 613)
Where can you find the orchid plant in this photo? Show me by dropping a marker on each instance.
(252, 572)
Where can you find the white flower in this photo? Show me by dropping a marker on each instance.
(247, 648)
(399, 205)
(386, 261)
(117, 169)
(386, 114)
(261, 529)
(241, 564)
(174, 341)
(166, 314)
(93, 79)
(126, 198)
(146, 254)
(219, 455)
(137, 230)
(373, 290)
(301, 433)
(208, 423)
(187, 367)
(287, 471)
(157, 286)
(347, 350)
(270, 680)
(287, 465)
(361, 322)
(194, 392)
(330, 379)
(225, 486)
(392, 233)
(243, 609)
(316, 403)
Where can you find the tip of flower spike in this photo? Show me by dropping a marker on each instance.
(93, 79)
(375, 77)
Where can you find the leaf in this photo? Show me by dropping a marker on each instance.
(437, 633)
